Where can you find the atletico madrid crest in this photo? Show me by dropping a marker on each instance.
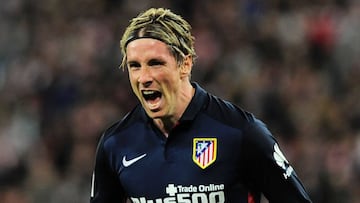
(204, 151)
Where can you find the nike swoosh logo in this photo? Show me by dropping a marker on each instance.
(127, 163)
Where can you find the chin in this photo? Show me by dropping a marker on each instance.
(155, 114)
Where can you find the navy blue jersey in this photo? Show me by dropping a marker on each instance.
(216, 153)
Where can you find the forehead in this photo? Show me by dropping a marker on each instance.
(147, 47)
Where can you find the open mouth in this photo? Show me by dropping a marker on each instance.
(152, 98)
(151, 94)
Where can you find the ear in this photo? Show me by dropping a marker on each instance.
(186, 66)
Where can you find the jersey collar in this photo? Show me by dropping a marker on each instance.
(196, 103)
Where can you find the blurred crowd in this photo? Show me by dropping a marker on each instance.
(294, 64)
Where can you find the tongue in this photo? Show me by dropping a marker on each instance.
(153, 104)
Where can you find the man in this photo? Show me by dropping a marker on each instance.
(182, 144)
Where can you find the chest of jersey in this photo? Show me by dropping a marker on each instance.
(198, 162)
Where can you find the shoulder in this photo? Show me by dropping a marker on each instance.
(254, 131)
(127, 121)
(228, 113)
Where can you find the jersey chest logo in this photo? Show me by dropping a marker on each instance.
(204, 151)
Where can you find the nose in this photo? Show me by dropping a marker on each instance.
(145, 77)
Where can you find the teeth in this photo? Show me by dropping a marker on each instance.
(148, 92)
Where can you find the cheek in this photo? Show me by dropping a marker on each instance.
(133, 77)
(170, 76)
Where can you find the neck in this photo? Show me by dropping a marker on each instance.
(166, 124)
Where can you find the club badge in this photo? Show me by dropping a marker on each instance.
(204, 151)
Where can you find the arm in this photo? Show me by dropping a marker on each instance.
(105, 187)
(270, 172)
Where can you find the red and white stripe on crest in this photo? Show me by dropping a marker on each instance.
(207, 155)
(204, 151)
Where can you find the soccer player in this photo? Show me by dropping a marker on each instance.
(182, 144)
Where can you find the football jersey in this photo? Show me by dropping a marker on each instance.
(216, 153)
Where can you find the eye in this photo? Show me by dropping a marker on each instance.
(156, 62)
(133, 64)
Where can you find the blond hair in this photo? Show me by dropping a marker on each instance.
(161, 24)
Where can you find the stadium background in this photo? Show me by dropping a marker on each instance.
(294, 64)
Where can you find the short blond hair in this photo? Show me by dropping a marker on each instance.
(161, 24)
